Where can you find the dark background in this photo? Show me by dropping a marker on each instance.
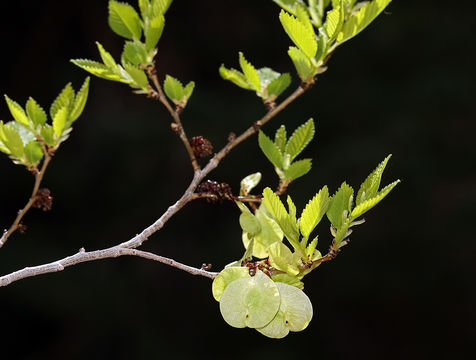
(404, 288)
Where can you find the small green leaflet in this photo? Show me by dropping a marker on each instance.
(302, 13)
(370, 186)
(300, 139)
(11, 141)
(340, 205)
(279, 85)
(235, 77)
(298, 168)
(250, 72)
(280, 138)
(154, 32)
(176, 91)
(59, 121)
(361, 209)
(134, 53)
(314, 211)
(35, 113)
(301, 63)
(79, 101)
(124, 20)
(63, 100)
(303, 37)
(270, 150)
(17, 111)
(137, 76)
(289, 5)
(33, 152)
(107, 58)
(334, 22)
(361, 19)
(281, 258)
(98, 69)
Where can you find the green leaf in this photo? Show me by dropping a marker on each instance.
(144, 7)
(124, 20)
(314, 211)
(25, 133)
(289, 5)
(266, 76)
(294, 314)
(11, 140)
(361, 19)
(225, 277)
(365, 206)
(47, 134)
(79, 101)
(277, 210)
(281, 258)
(138, 77)
(17, 111)
(280, 138)
(279, 85)
(302, 36)
(298, 168)
(33, 152)
(270, 150)
(235, 77)
(250, 73)
(310, 249)
(249, 182)
(251, 302)
(288, 279)
(301, 63)
(161, 6)
(340, 206)
(98, 69)
(302, 13)
(59, 121)
(134, 53)
(63, 100)
(334, 22)
(107, 58)
(173, 89)
(154, 32)
(300, 139)
(35, 113)
(370, 186)
(188, 90)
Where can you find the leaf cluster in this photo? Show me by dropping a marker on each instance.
(29, 136)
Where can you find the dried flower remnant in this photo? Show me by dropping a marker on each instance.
(201, 147)
(221, 191)
(43, 200)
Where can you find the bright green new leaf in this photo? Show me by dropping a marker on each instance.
(59, 121)
(235, 77)
(160, 6)
(79, 101)
(314, 211)
(134, 53)
(249, 182)
(365, 206)
(302, 13)
(298, 168)
(300, 139)
(144, 7)
(281, 258)
(334, 22)
(35, 113)
(25, 133)
(33, 152)
(124, 20)
(277, 210)
(12, 141)
(279, 85)
(370, 186)
(98, 69)
(251, 302)
(266, 76)
(173, 89)
(340, 206)
(225, 277)
(250, 73)
(303, 37)
(63, 100)
(107, 58)
(280, 138)
(154, 32)
(188, 90)
(310, 249)
(289, 5)
(17, 111)
(270, 150)
(292, 209)
(301, 63)
(361, 19)
(294, 314)
(138, 77)
(47, 134)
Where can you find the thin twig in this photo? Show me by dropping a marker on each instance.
(21, 213)
(152, 73)
(139, 239)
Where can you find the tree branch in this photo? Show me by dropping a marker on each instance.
(128, 247)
